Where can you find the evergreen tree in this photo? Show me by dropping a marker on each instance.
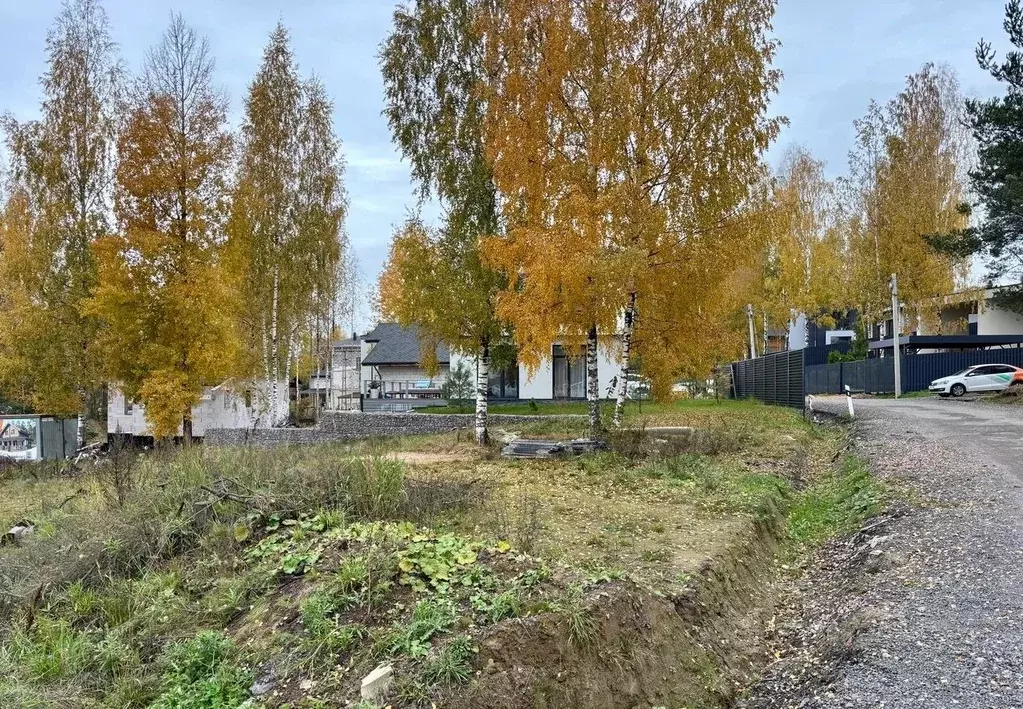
(997, 125)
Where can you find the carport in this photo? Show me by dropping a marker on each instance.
(913, 344)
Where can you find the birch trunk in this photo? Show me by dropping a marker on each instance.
(286, 413)
(275, 365)
(623, 377)
(592, 383)
(482, 394)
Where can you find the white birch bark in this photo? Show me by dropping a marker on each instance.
(482, 394)
(276, 419)
(592, 383)
(623, 376)
(287, 381)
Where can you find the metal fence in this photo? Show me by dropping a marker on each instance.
(921, 369)
(874, 376)
(773, 379)
(877, 375)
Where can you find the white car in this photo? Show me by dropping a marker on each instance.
(980, 377)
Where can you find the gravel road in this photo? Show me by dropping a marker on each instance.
(925, 608)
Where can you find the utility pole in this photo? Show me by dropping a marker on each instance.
(896, 330)
(752, 332)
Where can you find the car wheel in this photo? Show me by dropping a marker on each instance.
(958, 390)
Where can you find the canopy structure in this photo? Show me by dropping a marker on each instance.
(914, 343)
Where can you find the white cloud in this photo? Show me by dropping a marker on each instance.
(377, 164)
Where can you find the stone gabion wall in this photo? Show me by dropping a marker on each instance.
(349, 426)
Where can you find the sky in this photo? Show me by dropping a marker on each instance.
(836, 55)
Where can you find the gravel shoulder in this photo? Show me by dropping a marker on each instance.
(924, 606)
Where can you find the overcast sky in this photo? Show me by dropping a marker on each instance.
(836, 56)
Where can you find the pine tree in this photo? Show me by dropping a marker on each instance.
(997, 125)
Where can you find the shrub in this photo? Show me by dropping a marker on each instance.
(459, 386)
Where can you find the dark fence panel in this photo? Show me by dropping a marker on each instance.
(874, 376)
(58, 438)
(773, 379)
(919, 370)
(877, 376)
(824, 379)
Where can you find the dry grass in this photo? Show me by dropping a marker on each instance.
(112, 577)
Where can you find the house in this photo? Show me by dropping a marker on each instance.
(391, 374)
(391, 367)
(232, 404)
(971, 312)
(968, 319)
(15, 439)
(804, 332)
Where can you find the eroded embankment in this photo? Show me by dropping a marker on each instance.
(644, 649)
(703, 646)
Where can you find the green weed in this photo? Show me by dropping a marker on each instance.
(582, 626)
(429, 618)
(200, 674)
(837, 504)
(452, 665)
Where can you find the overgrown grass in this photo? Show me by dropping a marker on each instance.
(837, 503)
(200, 674)
(178, 580)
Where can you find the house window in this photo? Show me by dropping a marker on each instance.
(569, 374)
(504, 383)
(129, 407)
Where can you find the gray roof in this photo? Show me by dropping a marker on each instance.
(350, 342)
(398, 345)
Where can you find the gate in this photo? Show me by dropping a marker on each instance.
(774, 379)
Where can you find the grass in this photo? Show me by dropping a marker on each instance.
(836, 504)
(178, 580)
(200, 674)
(452, 664)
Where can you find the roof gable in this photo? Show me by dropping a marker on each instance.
(395, 344)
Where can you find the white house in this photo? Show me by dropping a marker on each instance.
(233, 404)
(390, 371)
(972, 312)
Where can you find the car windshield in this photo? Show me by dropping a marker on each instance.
(961, 372)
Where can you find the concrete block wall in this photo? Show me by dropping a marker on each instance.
(348, 426)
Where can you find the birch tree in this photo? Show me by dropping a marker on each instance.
(625, 137)
(908, 172)
(432, 64)
(432, 281)
(167, 309)
(810, 242)
(61, 175)
(286, 226)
